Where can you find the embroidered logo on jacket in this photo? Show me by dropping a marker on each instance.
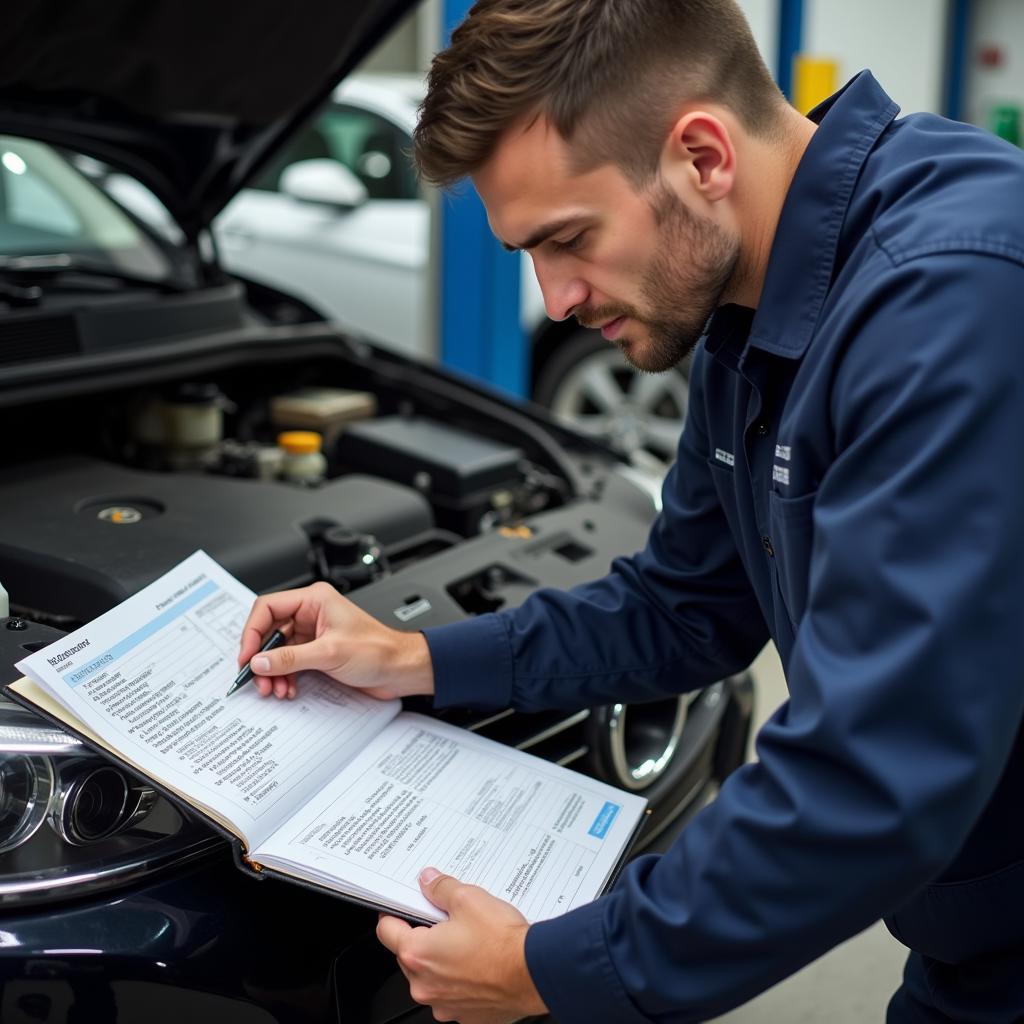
(780, 474)
(727, 457)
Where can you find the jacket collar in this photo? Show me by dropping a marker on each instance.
(803, 253)
(726, 334)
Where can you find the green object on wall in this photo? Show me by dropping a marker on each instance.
(1004, 120)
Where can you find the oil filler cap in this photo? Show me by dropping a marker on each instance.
(120, 511)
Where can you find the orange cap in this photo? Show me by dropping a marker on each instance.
(300, 442)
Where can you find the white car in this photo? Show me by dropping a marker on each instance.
(340, 220)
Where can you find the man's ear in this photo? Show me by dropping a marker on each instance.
(699, 156)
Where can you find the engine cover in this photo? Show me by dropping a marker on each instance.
(79, 535)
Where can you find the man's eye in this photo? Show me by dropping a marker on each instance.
(572, 243)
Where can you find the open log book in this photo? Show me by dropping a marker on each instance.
(333, 789)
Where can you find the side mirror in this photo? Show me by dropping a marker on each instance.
(323, 181)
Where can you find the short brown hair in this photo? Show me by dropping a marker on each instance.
(609, 74)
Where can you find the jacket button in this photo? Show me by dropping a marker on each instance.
(761, 428)
(766, 543)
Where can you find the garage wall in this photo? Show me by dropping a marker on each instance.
(400, 49)
(901, 41)
(763, 16)
(997, 24)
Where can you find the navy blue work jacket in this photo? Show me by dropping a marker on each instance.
(850, 482)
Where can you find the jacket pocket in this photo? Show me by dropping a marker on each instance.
(721, 463)
(724, 479)
(791, 528)
(954, 922)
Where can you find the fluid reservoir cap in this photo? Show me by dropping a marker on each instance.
(193, 393)
(342, 546)
(300, 442)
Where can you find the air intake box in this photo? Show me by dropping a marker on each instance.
(401, 448)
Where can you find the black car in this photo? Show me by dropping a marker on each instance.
(142, 393)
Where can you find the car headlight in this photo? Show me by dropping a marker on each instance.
(26, 786)
(73, 822)
(94, 802)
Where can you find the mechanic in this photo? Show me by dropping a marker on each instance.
(849, 483)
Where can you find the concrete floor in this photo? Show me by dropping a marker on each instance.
(853, 983)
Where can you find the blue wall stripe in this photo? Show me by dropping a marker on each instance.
(957, 42)
(480, 331)
(791, 41)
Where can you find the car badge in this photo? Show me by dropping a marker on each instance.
(412, 609)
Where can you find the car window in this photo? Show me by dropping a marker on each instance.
(371, 147)
(47, 206)
(34, 204)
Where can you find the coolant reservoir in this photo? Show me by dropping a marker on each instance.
(193, 416)
(186, 424)
(5, 604)
(303, 461)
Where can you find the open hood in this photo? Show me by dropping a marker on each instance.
(189, 96)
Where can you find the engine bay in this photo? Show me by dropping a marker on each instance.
(423, 498)
(341, 467)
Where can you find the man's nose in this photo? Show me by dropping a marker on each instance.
(563, 292)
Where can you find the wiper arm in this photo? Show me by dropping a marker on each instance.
(52, 264)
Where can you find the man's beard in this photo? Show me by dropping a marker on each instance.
(694, 262)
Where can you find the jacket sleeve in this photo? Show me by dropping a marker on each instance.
(676, 616)
(905, 680)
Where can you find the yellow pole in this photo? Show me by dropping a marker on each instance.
(814, 80)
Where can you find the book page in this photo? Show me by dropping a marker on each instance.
(149, 679)
(425, 793)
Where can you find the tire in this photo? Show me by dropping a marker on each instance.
(587, 382)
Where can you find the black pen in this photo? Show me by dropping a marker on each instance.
(274, 640)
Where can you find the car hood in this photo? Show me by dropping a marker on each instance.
(189, 96)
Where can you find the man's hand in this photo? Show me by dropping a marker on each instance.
(470, 968)
(328, 632)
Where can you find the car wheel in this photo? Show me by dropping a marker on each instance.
(588, 383)
(663, 750)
